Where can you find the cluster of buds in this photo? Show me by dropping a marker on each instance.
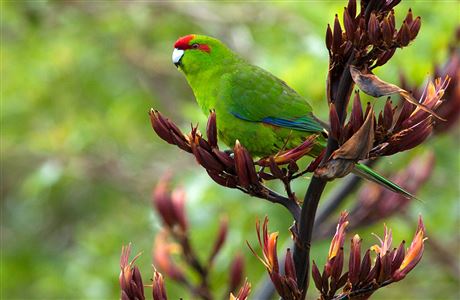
(285, 284)
(394, 130)
(243, 293)
(130, 277)
(234, 171)
(364, 278)
(372, 34)
(174, 242)
(239, 170)
(450, 109)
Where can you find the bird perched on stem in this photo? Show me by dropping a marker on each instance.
(251, 104)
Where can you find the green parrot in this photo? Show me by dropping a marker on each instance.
(251, 104)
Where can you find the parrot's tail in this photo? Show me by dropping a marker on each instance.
(365, 172)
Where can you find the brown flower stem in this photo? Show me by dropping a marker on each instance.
(339, 91)
(203, 289)
(274, 197)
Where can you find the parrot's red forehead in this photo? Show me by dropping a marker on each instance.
(183, 42)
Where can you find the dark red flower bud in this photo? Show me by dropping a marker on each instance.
(387, 32)
(274, 169)
(224, 158)
(352, 8)
(356, 118)
(415, 28)
(206, 159)
(220, 239)
(222, 179)
(289, 267)
(335, 122)
(384, 57)
(244, 166)
(373, 29)
(328, 37)
(404, 35)
(211, 129)
(337, 37)
(365, 266)
(409, 17)
(398, 257)
(130, 278)
(159, 291)
(236, 271)
(354, 263)
(317, 277)
(388, 115)
(349, 25)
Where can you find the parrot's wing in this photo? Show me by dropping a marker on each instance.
(253, 94)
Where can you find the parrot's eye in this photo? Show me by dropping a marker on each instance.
(195, 46)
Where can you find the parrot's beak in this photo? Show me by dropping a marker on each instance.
(177, 56)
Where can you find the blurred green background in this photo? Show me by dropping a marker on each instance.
(79, 157)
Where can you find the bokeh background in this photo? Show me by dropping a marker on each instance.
(79, 158)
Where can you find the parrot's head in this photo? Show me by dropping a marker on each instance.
(195, 53)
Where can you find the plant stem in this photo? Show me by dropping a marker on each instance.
(340, 87)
